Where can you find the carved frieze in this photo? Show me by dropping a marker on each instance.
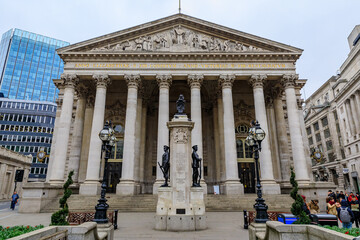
(179, 39)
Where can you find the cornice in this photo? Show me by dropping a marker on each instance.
(339, 97)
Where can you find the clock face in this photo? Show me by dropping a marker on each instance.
(41, 155)
(318, 155)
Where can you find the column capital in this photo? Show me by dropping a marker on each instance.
(70, 80)
(81, 91)
(102, 80)
(257, 80)
(288, 80)
(133, 80)
(226, 80)
(195, 80)
(164, 80)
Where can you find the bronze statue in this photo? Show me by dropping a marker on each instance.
(180, 105)
(196, 166)
(165, 167)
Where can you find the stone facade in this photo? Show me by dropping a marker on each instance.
(11, 161)
(133, 78)
(332, 125)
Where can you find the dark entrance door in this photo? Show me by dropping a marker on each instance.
(247, 176)
(114, 169)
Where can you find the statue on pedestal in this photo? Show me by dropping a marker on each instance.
(196, 166)
(165, 166)
(180, 105)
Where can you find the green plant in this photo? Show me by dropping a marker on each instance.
(297, 206)
(9, 232)
(352, 232)
(59, 217)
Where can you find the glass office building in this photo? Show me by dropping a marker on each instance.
(27, 127)
(28, 63)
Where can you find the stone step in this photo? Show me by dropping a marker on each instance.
(147, 203)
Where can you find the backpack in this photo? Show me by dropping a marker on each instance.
(345, 215)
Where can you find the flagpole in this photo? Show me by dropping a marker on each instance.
(179, 6)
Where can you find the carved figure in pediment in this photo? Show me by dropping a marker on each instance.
(125, 45)
(227, 45)
(180, 35)
(139, 43)
(195, 41)
(159, 41)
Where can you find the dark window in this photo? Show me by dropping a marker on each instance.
(318, 137)
(311, 142)
(329, 145)
(308, 130)
(324, 121)
(327, 133)
(316, 126)
(154, 170)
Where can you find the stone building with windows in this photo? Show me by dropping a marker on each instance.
(332, 116)
(134, 77)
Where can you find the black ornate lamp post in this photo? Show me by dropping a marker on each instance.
(108, 138)
(256, 135)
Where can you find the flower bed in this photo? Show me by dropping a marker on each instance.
(352, 232)
(9, 232)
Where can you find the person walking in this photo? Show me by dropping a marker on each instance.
(14, 199)
(346, 216)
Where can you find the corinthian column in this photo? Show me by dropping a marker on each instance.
(91, 186)
(127, 184)
(164, 82)
(232, 183)
(63, 131)
(267, 175)
(75, 150)
(297, 145)
(195, 81)
(350, 120)
(354, 114)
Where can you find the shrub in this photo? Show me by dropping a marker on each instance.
(352, 232)
(59, 217)
(297, 206)
(9, 232)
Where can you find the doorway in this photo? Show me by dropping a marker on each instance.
(247, 176)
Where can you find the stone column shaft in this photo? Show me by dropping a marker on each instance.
(75, 150)
(92, 185)
(221, 138)
(138, 144)
(63, 134)
(282, 140)
(232, 183)
(354, 114)
(216, 142)
(349, 118)
(357, 103)
(164, 82)
(143, 144)
(300, 164)
(127, 183)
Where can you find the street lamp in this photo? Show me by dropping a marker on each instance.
(108, 139)
(256, 135)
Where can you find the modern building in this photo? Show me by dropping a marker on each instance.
(134, 77)
(332, 118)
(28, 63)
(27, 127)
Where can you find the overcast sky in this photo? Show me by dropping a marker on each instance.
(320, 27)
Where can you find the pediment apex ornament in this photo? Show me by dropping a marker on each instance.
(132, 80)
(257, 80)
(70, 80)
(102, 80)
(178, 39)
(288, 80)
(181, 135)
(226, 80)
(195, 80)
(164, 80)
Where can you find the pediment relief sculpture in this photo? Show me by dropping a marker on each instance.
(179, 39)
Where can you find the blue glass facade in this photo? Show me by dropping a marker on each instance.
(28, 63)
(27, 127)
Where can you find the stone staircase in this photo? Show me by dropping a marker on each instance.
(147, 203)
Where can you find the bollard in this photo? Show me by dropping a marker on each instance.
(246, 224)
(116, 219)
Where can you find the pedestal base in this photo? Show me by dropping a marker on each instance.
(233, 187)
(271, 188)
(90, 189)
(108, 228)
(157, 185)
(126, 188)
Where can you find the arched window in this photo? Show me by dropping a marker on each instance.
(117, 151)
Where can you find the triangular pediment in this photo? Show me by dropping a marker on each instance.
(178, 33)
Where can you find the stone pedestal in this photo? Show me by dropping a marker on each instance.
(180, 207)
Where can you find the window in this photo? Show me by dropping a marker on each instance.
(324, 121)
(311, 142)
(117, 150)
(329, 145)
(357, 148)
(349, 150)
(308, 130)
(318, 137)
(335, 115)
(327, 133)
(316, 126)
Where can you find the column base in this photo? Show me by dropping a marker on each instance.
(90, 188)
(126, 188)
(233, 187)
(270, 188)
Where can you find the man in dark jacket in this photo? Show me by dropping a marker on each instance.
(346, 216)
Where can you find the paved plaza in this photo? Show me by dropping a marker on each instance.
(221, 225)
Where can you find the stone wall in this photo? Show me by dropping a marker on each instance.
(276, 230)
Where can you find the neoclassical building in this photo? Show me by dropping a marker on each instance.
(134, 77)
